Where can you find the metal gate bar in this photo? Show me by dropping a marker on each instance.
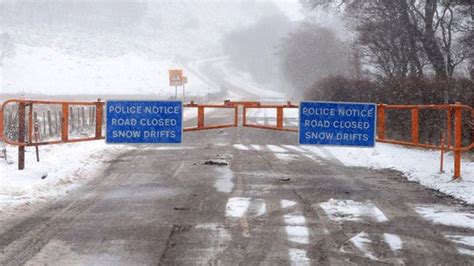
(415, 109)
(279, 120)
(200, 116)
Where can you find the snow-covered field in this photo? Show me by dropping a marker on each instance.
(45, 70)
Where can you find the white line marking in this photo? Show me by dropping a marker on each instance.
(241, 147)
(460, 239)
(276, 149)
(291, 219)
(446, 215)
(287, 203)
(349, 210)
(295, 148)
(298, 257)
(286, 156)
(362, 242)
(256, 147)
(237, 207)
(297, 234)
(394, 241)
(224, 181)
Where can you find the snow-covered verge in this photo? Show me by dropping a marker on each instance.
(61, 168)
(419, 165)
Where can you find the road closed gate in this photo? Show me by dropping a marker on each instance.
(26, 123)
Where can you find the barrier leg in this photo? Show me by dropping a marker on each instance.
(200, 117)
(236, 116)
(21, 135)
(30, 122)
(65, 122)
(244, 116)
(98, 119)
(441, 163)
(279, 117)
(381, 122)
(457, 142)
(415, 126)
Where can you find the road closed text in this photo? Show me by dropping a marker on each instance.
(144, 122)
(328, 123)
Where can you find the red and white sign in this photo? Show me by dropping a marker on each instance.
(176, 77)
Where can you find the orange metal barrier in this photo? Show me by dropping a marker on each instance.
(415, 109)
(242, 103)
(200, 116)
(279, 121)
(23, 142)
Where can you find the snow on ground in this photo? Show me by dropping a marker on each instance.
(224, 182)
(419, 165)
(349, 210)
(446, 215)
(362, 242)
(463, 243)
(244, 82)
(237, 207)
(64, 167)
(61, 168)
(394, 241)
(45, 70)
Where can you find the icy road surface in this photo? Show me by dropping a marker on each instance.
(274, 203)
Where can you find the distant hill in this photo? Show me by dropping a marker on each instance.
(99, 47)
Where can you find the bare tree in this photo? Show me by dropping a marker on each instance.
(400, 35)
(312, 53)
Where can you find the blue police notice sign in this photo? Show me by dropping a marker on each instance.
(144, 121)
(333, 123)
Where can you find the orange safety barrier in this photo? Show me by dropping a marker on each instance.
(243, 103)
(200, 116)
(23, 142)
(64, 121)
(415, 109)
(279, 121)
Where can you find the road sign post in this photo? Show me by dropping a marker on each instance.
(341, 124)
(176, 79)
(185, 80)
(144, 122)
